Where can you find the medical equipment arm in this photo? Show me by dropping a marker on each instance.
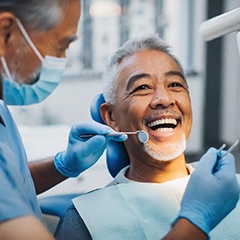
(220, 25)
(82, 153)
(212, 192)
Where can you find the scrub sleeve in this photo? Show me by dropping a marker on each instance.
(17, 192)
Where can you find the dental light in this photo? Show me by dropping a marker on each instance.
(221, 25)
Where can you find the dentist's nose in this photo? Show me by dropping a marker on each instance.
(162, 98)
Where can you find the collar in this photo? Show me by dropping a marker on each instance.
(121, 176)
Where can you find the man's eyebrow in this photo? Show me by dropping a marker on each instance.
(136, 77)
(177, 73)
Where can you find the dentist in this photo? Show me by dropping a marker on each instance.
(34, 36)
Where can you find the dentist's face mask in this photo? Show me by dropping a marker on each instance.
(25, 94)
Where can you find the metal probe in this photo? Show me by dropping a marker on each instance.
(141, 134)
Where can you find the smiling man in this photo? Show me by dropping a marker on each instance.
(145, 89)
(152, 95)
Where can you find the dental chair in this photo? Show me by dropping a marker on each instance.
(116, 159)
(116, 155)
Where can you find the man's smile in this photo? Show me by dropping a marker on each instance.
(163, 125)
(164, 121)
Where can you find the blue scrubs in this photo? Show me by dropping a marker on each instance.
(18, 196)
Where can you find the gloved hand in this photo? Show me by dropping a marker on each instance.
(212, 192)
(81, 152)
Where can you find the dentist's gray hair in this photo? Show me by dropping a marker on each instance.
(37, 14)
(151, 42)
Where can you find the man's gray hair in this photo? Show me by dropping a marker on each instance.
(152, 42)
(40, 14)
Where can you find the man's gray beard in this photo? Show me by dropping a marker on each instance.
(15, 65)
(167, 151)
(29, 80)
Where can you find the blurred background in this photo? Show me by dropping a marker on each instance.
(212, 71)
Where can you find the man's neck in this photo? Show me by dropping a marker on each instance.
(158, 171)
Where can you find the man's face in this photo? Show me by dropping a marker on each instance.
(23, 62)
(152, 95)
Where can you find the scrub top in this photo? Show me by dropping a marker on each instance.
(17, 192)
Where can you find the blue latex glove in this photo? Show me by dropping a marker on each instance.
(82, 153)
(212, 192)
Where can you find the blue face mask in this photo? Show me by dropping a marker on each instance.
(25, 94)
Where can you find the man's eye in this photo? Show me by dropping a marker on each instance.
(176, 84)
(142, 87)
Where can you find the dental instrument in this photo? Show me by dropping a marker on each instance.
(141, 134)
(229, 150)
(220, 155)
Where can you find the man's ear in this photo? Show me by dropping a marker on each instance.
(7, 26)
(108, 116)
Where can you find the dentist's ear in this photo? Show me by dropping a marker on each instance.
(108, 116)
(7, 27)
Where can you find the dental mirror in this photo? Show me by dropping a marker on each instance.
(141, 134)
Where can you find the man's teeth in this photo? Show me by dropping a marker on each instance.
(163, 121)
(164, 130)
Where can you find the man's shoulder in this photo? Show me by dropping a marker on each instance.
(73, 226)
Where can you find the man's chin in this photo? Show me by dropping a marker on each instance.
(33, 78)
(167, 152)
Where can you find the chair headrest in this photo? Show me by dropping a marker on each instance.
(96, 103)
(117, 156)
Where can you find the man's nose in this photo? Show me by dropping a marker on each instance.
(162, 98)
